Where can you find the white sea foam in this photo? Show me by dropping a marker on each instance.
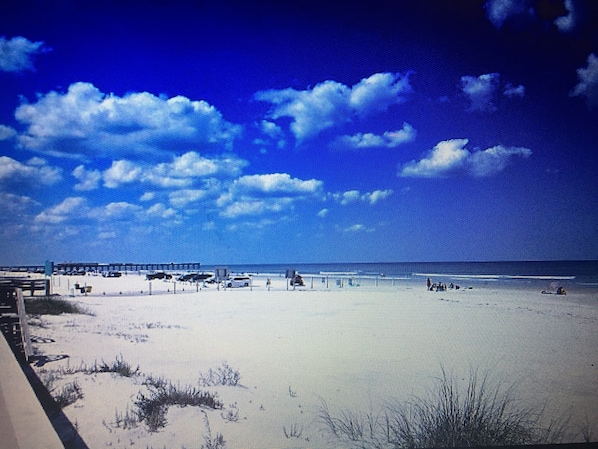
(496, 276)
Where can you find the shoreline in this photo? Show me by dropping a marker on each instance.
(330, 280)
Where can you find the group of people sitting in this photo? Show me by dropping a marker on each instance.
(440, 287)
(559, 291)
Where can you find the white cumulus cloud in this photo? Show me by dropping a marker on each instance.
(122, 172)
(493, 160)
(159, 210)
(181, 172)
(514, 91)
(480, 91)
(377, 195)
(253, 206)
(116, 211)
(276, 183)
(14, 204)
(446, 157)
(567, 23)
(377, 92)
(348, 197)
(450, 157)
(35, 171)
(16, 54)
(588, 82)
(88, 179)
(498, 11)
(69, 208)
(86, 121)
(358, 228)
(181, 198)
(254, 195)
(330, 103)
(6, 132)
(353, 196)
(389, 139)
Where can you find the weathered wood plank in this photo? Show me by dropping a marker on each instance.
(25, 335)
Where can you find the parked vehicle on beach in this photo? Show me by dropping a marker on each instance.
(238, 281)
(195, 277)
(111, 274)
(159, 275)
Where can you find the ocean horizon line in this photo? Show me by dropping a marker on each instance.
(122, 262)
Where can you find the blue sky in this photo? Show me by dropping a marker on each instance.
(271, 132)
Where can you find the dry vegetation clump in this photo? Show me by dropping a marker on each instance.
(152, 408)
(52, 305)
(66, 395)
(223, 375)
(481, 415)
(118, 366)
(71, 392)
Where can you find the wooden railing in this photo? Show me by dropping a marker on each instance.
(13, 322)
(27, 284)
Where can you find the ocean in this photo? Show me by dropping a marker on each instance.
(541, 274)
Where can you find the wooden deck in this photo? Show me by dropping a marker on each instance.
(23, 422)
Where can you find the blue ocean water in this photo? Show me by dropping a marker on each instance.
(543, 274)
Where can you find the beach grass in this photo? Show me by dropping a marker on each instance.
(52, 305)
(481, 415)
(118, 366)
(68, 394)
(152, 407)
(222, 375)
(212, 441)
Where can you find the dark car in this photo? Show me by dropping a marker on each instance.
(159, 275)
(187, 277)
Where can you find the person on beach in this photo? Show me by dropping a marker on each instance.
(429, 284)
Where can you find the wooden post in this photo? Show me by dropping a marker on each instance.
(25, 337)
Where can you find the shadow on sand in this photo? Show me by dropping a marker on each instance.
(67, 432)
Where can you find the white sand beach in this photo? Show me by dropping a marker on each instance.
(353, 347)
